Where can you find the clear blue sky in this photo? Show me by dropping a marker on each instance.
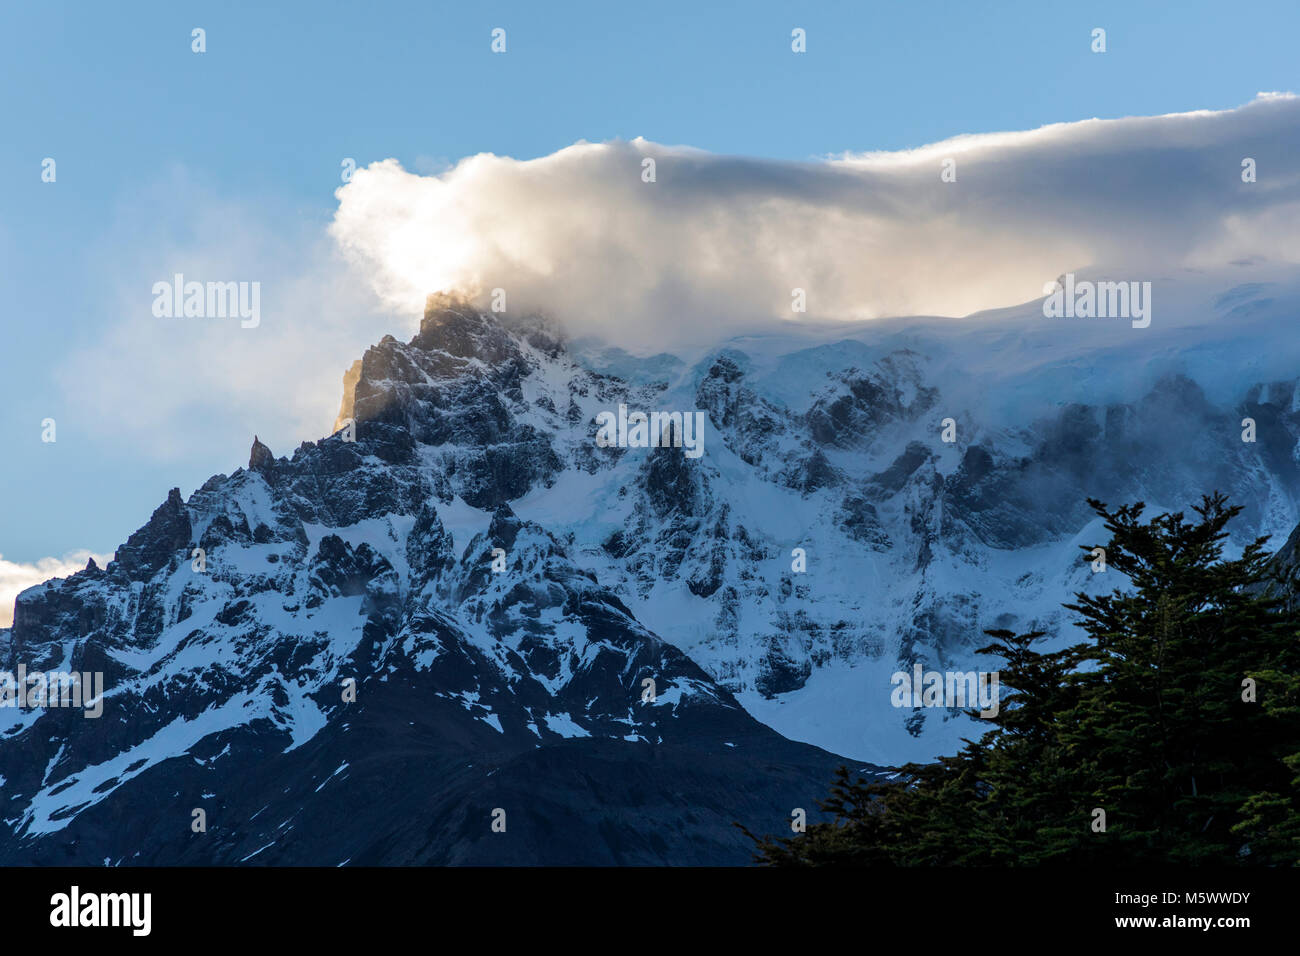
(286, 90)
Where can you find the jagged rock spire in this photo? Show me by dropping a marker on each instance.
(347, 409)
(150, 548)
(260, 457)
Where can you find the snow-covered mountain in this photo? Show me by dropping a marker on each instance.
(499, 584)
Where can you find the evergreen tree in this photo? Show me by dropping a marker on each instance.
(1178, 716)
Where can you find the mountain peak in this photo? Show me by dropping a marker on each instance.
(260, 456)
(454, 326)
(436, 302)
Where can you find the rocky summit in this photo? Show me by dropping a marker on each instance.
(313, 661)
(462, 630)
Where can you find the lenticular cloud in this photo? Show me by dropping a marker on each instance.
(709, 243)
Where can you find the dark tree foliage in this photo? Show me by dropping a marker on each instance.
(1148, 719)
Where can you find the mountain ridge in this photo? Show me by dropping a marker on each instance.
(827, 538)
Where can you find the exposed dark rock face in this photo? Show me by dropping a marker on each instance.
(260, 458)
(151, 547)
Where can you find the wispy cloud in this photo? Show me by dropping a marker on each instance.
(181, 388)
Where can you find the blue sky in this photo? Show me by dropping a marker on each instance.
(161, 151)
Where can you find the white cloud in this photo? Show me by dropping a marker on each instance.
(16, 577)
(713, 247)
(719, 241)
